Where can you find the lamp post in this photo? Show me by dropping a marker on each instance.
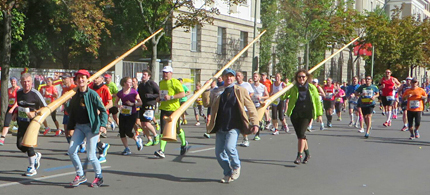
(254, 62)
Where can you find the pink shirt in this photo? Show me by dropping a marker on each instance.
(338, 97)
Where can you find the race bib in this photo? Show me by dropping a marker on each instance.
(47, 100)
(22, 113)
(367, 96)
(413, 104)
(390, 98)
(276, 102)
(162, 94)
(11, 101)
(126, 110)
(353, 100)
(328, 95)
(338, 99)
(148, 114)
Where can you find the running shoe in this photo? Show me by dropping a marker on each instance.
(417, 134)
(286, 129)
(351, 124)
(339, 119)
(329, 125)
(245, 143)
(47, 130)
(149, 143)
(98, 181)
(309, 128)
(306, 159)
(197, 124)
(383, 113)
(273, 129)
(1, 142)
(267, 125)
(357, 125)
(30, 172)
(37, 161)
(206, 135)
(322, 127)
(157, 126)
(156, 139)
(159, 154)
(139, 144)
(126, 152)
(236, 173)
(226, 179)
(112, 125)
(78, 180)
(58, 132)
(257, 138)
(361, 130)
(366, 135)
(82, 147)
(102, 159)
(184, 122)
(276, 132)
(184, 149)
(385, 124)
(389, 123)
(405, 128)
(103, 135)
(105, 149)
(394, 116)
(412, 137)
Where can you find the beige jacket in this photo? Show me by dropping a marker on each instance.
(249, 119)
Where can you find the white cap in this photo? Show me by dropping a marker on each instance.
(167, 69)
(315, 80)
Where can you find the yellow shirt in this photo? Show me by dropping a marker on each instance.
(199, 100)
(170, 87)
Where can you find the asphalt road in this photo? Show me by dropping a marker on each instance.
(343, 162)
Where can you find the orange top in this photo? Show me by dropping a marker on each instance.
(48, 93)
(268, 85)
(415, 102)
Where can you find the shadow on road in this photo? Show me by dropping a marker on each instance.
(160, 176)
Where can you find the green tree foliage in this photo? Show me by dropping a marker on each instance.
(270, 21)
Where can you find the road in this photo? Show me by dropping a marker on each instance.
(343, 162)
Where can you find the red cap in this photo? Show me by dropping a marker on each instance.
(83, 72)
(108, 76)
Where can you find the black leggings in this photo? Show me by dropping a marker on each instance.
(22, 128)
(278, 111)
(126, 124)
(414, 115)
(8, 117)
(300, 125)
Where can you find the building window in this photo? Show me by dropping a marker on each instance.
(195, 78)
(195, 38)
(221, 41)
(244, 42)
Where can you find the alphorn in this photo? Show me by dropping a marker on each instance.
(169, 130)
(30, 137)
(275, 96)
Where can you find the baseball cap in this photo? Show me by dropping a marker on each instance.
(179, 79)
(315, 80)
(264, 73)
(66, 75)
(107, 76)
(229, 71)
(83, 72)
(414, 80)
(408, 78)
(167, 69)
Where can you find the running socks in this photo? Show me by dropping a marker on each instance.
(31, 160)
(162, 143)
(182, 137)
(389, 115)
(307, 152)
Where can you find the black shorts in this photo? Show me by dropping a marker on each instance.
(367, 110)
(126, 124)
(404, 105)
(300, 125)
(414, 115)
(8, 117)
(386, 102)
(114, 110)
(142, 110)
(328, 104)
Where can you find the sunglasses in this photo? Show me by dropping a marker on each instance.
(301, 77)
(368, 79)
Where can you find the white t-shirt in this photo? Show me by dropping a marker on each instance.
(258, 92)
(247, 86)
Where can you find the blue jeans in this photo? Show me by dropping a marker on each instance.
(225, 150)
(83, 131)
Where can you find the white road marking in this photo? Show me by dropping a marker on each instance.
(42, 178)
(202, 150)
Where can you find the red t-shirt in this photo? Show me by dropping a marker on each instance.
(329, 92)
(48, 93)
(12, 96)
(268, 84)
(388, 86)
(104, 94)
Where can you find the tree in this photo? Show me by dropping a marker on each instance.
(158, 14)
(270, 21)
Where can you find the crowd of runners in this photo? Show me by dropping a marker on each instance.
(134, 107)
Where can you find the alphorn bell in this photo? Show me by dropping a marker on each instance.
(30, 137)
(169, 130)
(275, 96)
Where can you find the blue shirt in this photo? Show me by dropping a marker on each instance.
(351, 89)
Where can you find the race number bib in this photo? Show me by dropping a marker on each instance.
(22, 113)
(148, 114)
(11, 101)
(328, 95)
(367, 96)
(126, 110)
(276, 102)
(338, 99)
(47, 100)
(163, 93)
(390, 98)
(353, 100)
(413, 104)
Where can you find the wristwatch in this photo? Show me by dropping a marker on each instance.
(171, 97)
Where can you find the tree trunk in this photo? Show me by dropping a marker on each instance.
(5, 55)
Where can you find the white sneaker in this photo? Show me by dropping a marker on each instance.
(361, 130)
(226, 179)
(276, 132)
(357, 125)
(37, 161)
(30, 172)
(245, 143)
(198, 124)
(236, 173)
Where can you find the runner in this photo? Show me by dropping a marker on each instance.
(404, 102)
(229, 119)
(29, 101)
(50, 92)
(128, 115)
(183, 100)
(88, 117)
(260, 94)
(67, 86)
(266, 82)
(248, 87)
(278, 106)
(149, 92)
(367, 101)
(137, 128)
(198, 105)
(339, 94)
(328, 100)
(415, 97)
(321, 94)
(352, 99)
(388, 86)
(113, 89)
(304, 104)
(10, 108)
(171, 91)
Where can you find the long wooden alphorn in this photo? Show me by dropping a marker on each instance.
(275, 96)
(169, 131)
(30, 137)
